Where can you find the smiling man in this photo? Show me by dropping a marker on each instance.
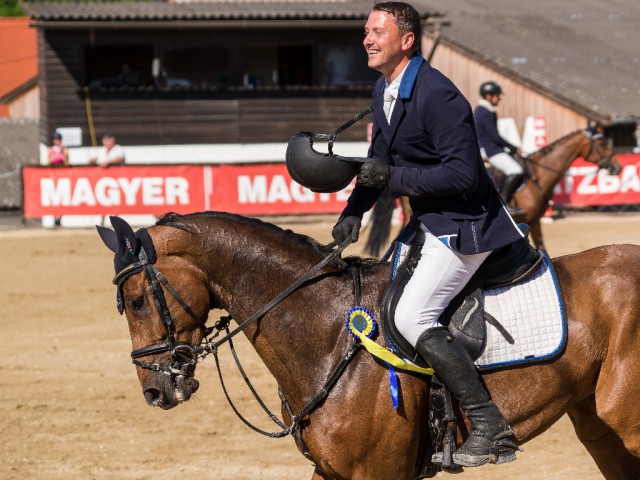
(424, 146)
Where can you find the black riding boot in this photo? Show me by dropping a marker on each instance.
(491, 439)
(509, 187)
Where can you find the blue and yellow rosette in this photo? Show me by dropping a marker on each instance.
(362, 325)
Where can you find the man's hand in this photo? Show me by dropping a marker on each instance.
(347, 227)
(374, 173)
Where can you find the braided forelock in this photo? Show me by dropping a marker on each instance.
(407, 18)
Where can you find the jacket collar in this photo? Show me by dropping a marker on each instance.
(405, 91)
(410, 75)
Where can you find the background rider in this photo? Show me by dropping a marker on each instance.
(494, 146)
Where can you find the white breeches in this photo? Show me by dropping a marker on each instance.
(506, 164)
(440, 275)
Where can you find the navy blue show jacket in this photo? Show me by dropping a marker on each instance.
(488, 135)
(433, 151)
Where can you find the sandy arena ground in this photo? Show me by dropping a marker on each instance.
(71, 406)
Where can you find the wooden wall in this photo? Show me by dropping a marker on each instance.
(148, 117)
(26, 106)
(518, 101)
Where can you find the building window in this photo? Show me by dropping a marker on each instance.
(199, 67)
(260, 66)
(119, 66)
(344, 64)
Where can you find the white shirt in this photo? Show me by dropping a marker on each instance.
(104, 157)
(393, 88)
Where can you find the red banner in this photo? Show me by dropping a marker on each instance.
(251, 189)
(254, 189)
(586, 185)
(113, 191)
(268, 190)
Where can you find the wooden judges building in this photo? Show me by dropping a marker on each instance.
(256, 71)
(161, 73)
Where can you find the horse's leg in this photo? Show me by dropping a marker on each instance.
(536, 233)
(606, 448)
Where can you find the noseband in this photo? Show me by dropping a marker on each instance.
(184, 356)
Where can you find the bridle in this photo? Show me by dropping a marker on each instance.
(606, 163)
(184, 356)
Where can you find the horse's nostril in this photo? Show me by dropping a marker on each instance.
(152, 396)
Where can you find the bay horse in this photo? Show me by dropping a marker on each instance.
(213, 260)
(548, 165)
(545, 168)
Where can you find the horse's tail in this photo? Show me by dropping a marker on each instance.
(380, 224)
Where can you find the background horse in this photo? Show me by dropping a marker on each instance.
(545, 168)
(216, 260)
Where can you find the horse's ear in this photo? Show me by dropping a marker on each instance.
(128, 243)
(109, 238)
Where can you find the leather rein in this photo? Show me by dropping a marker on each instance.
(184, 357)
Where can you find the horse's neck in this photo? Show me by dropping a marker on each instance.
(550, 168)
(297, 337)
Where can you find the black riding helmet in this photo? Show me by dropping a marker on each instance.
(490, 88)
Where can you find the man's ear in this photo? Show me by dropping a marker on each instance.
(408, 41)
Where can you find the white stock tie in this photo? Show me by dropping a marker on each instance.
(387, 102)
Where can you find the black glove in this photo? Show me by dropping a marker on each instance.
(348, 226)
(374, 173)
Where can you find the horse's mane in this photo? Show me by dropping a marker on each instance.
(546, 149)
(186, 223)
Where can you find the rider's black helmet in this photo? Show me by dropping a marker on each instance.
(490, 88)
(319, 172)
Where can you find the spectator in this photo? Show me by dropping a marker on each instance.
(129, 77)
(111, 153)
(58, 154)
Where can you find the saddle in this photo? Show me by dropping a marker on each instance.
(464, 316)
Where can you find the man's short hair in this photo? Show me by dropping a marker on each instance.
(407, 18)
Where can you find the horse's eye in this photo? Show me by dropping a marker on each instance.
(137, 303)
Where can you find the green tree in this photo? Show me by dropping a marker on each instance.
(10, 8)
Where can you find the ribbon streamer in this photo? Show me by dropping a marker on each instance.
(373, 348)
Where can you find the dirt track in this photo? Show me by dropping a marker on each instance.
(71, 406)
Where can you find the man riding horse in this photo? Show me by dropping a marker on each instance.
(495, 147)
(424, 146)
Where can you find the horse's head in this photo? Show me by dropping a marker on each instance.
(166, 327)
(599, 150)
